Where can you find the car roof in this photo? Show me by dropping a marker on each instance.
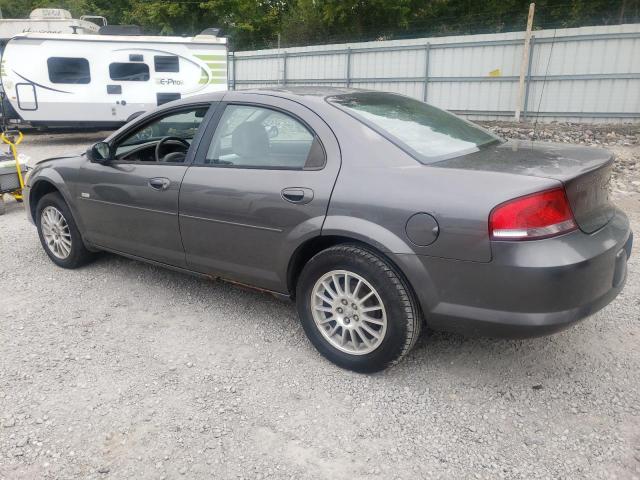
(310, 93)
(310, 96)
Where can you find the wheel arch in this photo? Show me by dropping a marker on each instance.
(315, 245)
(46, 183)
(39, 189)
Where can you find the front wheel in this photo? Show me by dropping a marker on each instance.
(356, 309)
(59, 234)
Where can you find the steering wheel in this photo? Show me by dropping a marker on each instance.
(164, 140)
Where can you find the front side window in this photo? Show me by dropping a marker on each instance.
(140, 144)
(256, 137)
(129, 72)
(68, 70)
(428, 133)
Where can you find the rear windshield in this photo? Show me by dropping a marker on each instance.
(425, 132)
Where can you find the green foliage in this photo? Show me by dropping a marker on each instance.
(260, 23)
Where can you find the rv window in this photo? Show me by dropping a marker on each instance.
(165, 63)
(68, 70)
(129, 72)
(163, 98)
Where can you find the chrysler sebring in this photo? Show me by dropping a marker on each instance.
(375, 212)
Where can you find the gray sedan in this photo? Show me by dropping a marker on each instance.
(374, 211)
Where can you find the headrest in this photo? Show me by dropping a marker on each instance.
(250, 140)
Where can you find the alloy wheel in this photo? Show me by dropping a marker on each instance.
(349, 312)
(56, 232)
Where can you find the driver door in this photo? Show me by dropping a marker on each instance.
(130, 204)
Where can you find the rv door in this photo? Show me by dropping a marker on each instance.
(26, 96)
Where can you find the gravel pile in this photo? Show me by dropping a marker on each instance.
(622, 140)
(625, 135)
(122, 370)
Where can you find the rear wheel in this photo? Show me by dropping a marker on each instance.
(356, 309)
(59, 234)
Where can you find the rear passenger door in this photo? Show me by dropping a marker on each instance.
(259, 187)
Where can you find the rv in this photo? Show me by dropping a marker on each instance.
(102, 80)
(49, 20)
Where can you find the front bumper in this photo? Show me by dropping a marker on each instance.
(529, 288)
(26, 196)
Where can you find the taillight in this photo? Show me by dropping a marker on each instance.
(540, 215)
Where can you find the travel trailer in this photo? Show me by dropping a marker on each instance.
(102, 80)
(49, 20)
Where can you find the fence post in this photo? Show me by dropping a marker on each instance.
(427, 48)
(233, 70)
(284, 68)
(348, 67)
(524, 62)
(528, 78)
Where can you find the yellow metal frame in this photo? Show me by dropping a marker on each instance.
(17, 194)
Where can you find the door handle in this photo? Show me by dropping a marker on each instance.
(297, 195)
(159, 183)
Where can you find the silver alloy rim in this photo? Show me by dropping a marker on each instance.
(349, 312)
(56, 233)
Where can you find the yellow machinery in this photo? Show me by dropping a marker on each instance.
(11, 172)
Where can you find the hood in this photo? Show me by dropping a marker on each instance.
(60, 157)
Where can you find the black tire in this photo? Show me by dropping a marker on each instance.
(404, 319)
(79, 255)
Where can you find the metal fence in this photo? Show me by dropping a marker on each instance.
(588, 74)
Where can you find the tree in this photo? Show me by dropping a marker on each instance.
(254, 24)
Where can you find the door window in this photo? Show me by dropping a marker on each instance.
(68, 70)
(256, 137)
(140, 145)
(129, 72)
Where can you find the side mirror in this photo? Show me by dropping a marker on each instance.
(99, 153)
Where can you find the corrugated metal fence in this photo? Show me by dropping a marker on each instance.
(588, 74)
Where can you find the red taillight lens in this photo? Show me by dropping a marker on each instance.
(539, 215)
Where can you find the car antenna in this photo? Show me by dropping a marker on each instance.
(544, 81)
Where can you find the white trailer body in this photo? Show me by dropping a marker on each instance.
(101, 80)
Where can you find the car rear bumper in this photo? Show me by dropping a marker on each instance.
(529, 288)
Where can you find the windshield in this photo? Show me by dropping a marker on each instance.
(427, 133)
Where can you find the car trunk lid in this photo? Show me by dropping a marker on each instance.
(584, 171)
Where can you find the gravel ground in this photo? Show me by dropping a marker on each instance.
(123, 370)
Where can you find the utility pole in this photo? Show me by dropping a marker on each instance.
(525, 60)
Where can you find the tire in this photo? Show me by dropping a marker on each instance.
(77, 254)
(367, 347)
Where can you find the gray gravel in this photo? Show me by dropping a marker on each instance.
(123, 370)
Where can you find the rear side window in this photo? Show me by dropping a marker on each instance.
(255, 137)
(427, 133)
(129, 72)
(166, 63)
(68, 70)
